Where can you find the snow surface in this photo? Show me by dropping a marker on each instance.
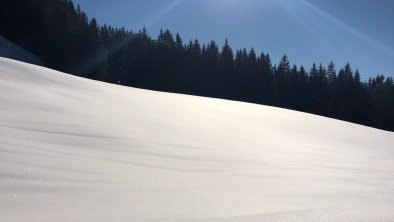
(73, 149)
(11, 50)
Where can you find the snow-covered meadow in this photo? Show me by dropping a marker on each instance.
(73, 149)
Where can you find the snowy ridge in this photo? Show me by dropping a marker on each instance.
(11, 50)
(73, 149)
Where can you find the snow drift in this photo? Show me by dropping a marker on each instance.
(73, 149)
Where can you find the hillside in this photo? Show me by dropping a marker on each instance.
(69, 40)
(11, 50)
(73, 149)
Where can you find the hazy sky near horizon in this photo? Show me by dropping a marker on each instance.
(360, 32)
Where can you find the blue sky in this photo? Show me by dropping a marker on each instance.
(360, 32)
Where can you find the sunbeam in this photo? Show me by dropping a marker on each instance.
(151, 21)
(349, 29)
(159, 15)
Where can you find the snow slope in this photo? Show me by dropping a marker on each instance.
(73, 149)
(11, 50)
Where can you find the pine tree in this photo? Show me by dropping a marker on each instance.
(331, 73)
(227, 59)
(357, 79)
(178, 42)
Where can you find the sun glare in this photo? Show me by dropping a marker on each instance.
(226, 5)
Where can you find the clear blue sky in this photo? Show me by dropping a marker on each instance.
(360, 32)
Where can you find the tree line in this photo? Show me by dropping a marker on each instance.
(65, 39)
